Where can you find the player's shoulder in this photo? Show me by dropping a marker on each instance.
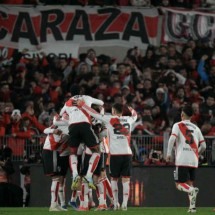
(176, 125)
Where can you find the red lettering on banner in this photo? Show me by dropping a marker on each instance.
(152, 21)
(56, 24)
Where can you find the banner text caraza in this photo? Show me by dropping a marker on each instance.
(106, 24)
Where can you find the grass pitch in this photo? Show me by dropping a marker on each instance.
(130, 211)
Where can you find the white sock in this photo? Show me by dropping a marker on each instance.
(102, 192)
(61, 193)
(54, 191)
(114, 185)
(73, 162)
(109, 191)
(93, 162)
(184, 187)
(192, 201)
(81, 196)
(90, 195)
(85, 193)
(126, 187)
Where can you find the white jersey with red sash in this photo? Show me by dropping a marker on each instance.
(77, 115)
(119, 130)
(188, 139)
(56, 142)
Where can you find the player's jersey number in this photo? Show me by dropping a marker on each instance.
(189, 137)
(122, 129)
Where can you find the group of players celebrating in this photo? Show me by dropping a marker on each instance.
(81, 138)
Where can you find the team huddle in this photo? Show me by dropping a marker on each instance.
(82, 136)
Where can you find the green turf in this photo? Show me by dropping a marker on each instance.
(131, 211)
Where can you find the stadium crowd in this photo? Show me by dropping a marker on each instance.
(157, 84)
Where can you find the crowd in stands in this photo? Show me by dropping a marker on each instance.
(156, 83)
(191, 4)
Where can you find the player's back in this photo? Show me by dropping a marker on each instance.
(188, 132)
(77, 115)
(119, 134)
(189, 138)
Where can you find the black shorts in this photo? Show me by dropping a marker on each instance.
(184, 174)
(101, 165)
(99, 168)
(50, 162)
(104, 157)
(120, 165)
(64, 164)
(82, 133)
(85, 164)
(53, 164)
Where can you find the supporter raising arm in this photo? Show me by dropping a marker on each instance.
(119, 135)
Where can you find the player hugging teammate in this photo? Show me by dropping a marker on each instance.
(100, 180)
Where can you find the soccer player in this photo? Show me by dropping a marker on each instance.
(56, 161)
(119, 135)
(100, 179)
(189, 144)
(80, 131)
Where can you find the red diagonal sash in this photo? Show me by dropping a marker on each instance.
(54, 145)
(189, 138)
(123, 131)
(69, 104)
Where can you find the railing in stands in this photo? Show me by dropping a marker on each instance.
(29, 150)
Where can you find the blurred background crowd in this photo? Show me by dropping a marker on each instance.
(157, 83)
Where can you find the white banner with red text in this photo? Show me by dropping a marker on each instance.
(63, 29)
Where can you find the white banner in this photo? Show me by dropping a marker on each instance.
(180, 25)
(63, 29)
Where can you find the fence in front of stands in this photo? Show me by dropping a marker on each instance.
(30, 149)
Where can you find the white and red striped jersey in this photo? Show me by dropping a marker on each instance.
(119, 130)
(188, 138)
(57, 142)
(77, 115)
